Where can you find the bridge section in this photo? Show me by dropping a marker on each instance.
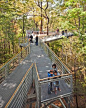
(55, 37)
(26, 74)
(9, 85)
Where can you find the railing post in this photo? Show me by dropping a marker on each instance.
(39, 101)
(21, 51)
(6, 71)
(27, 51)
(19, 58)
(32, 77)
(62, 69)
(68, 102)
(71, 82)
(13, 63)
(25, 91)
(51, 57)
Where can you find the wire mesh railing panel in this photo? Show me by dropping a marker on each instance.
(23, 40)
(18, 99)
(35, 77)
(7, 69)
(62, 69)
(54, 59)
(37, 85)
(2, 74)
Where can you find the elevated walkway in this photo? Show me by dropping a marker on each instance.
(9, 85)
(14, 89)
(55, 37)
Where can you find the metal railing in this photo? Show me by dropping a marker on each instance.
(65, 74)
(37, 85)
(19, 97)
(55, 36)
(65, 79)
(62, 68)
(10, 65)
(23, 40)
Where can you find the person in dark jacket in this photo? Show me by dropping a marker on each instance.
(36, 40)
(31, 39)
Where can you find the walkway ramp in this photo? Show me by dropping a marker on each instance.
(44, 63)
(9, 85)
(43, 58)
(55, 37)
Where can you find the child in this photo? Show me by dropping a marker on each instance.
(56, 83)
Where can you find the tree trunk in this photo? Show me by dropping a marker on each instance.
(4, 50)
(23, 29)
(9, 46)
(41, 20)
(47, 25)
(36, 26)
(76, 97)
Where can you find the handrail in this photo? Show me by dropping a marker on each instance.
(59, 76)
(53, 53)
(14, 94)
(9, 60)
(58, 58)
(37, 71)
(51, 77)
(10, 65)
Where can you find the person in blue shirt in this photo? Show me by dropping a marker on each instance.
(50, 74)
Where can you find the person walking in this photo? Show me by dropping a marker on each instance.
(31, 38)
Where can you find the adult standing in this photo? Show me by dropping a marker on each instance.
(57, 31)
(36, 40)
(31, 38)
